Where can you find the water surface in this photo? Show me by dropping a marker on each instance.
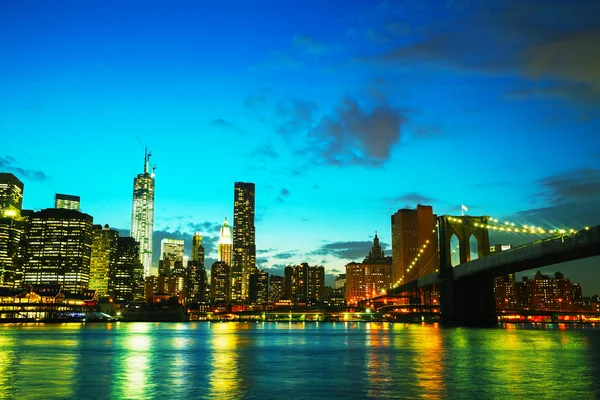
(297, 361)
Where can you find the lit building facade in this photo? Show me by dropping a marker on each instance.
(543, 292)
(197, 248)
(11, 195)
(103, 258)
(58, 249)
(159, 287)
(67, 202)
(11, 229)
(220, 278)
(370, 278)
(142, 215)
(305, 284)
(276, 289)
(244, 236)
(225, 244)
(127, 277)
(411, 230)
(171, 256)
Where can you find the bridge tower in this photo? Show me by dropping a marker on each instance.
(471, 300)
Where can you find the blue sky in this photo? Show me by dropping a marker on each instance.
(341, 112)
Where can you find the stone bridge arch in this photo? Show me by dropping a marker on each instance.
(463, 227)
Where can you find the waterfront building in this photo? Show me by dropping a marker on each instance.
(127, 277)
(196, 283)
(12, 227)
(276, 290)
(543, 292)
(103, 258)
(58, 248)
(160, 287)
(67, 202)
(259, 287)
(224, 248)
(244, 237)
(142, 215)
(220, 278)
(305, 284)
(370, 278)
(411, 229)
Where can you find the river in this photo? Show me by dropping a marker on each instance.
(297, 361)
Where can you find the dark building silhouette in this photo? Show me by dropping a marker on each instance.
(127, 277)
(244, 238)
(220, 278)
(259, 287)
(58, 248)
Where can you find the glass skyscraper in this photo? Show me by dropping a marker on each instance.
(142, 215)
(67, 201)
(104, 249)
(244, 235)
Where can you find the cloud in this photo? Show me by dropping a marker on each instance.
(263, 251)
(10, 164)
(582, 185)
(413, 198)
(283, 194)
(555, 42)
(222, 124)
(297, 115)
(309, 44)
(285, 255)
(347, 250)
(354, 135)
(206, 226)
(265, 151)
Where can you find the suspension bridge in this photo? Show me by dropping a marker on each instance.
(466, 285)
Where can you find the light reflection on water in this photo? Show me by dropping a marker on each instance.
(296, 360)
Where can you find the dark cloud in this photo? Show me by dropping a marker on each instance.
(556, 41)
(265, 151)
(309, 44)
(10, 164)
(414, 199)
(283, 194)
(347, 250)
(262, 260)
(297, 115)
(222, 124)
(263, 251)
(208, 242)
(204, 227)
(285, 255)
(575, 186)
(355, 135)
(275, 269)
(315, 186)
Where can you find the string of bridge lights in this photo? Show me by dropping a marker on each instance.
(419, 253)
(506, 226)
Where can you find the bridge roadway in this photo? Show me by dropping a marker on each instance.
(581, 244)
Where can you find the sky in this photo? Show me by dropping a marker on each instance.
(341, 112)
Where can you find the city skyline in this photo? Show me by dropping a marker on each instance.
(420, 120)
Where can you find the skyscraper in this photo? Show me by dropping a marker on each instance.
(224, 247)
(142, 215)
(259, 287)
(67, 201)
(103, 259)
(126, 278)
(244, 234)
(58, 249)
(11, 228)
(411, 229)
(220, 279)
(171, 253)
(303, 283)
(11, 195)
(197, 248)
